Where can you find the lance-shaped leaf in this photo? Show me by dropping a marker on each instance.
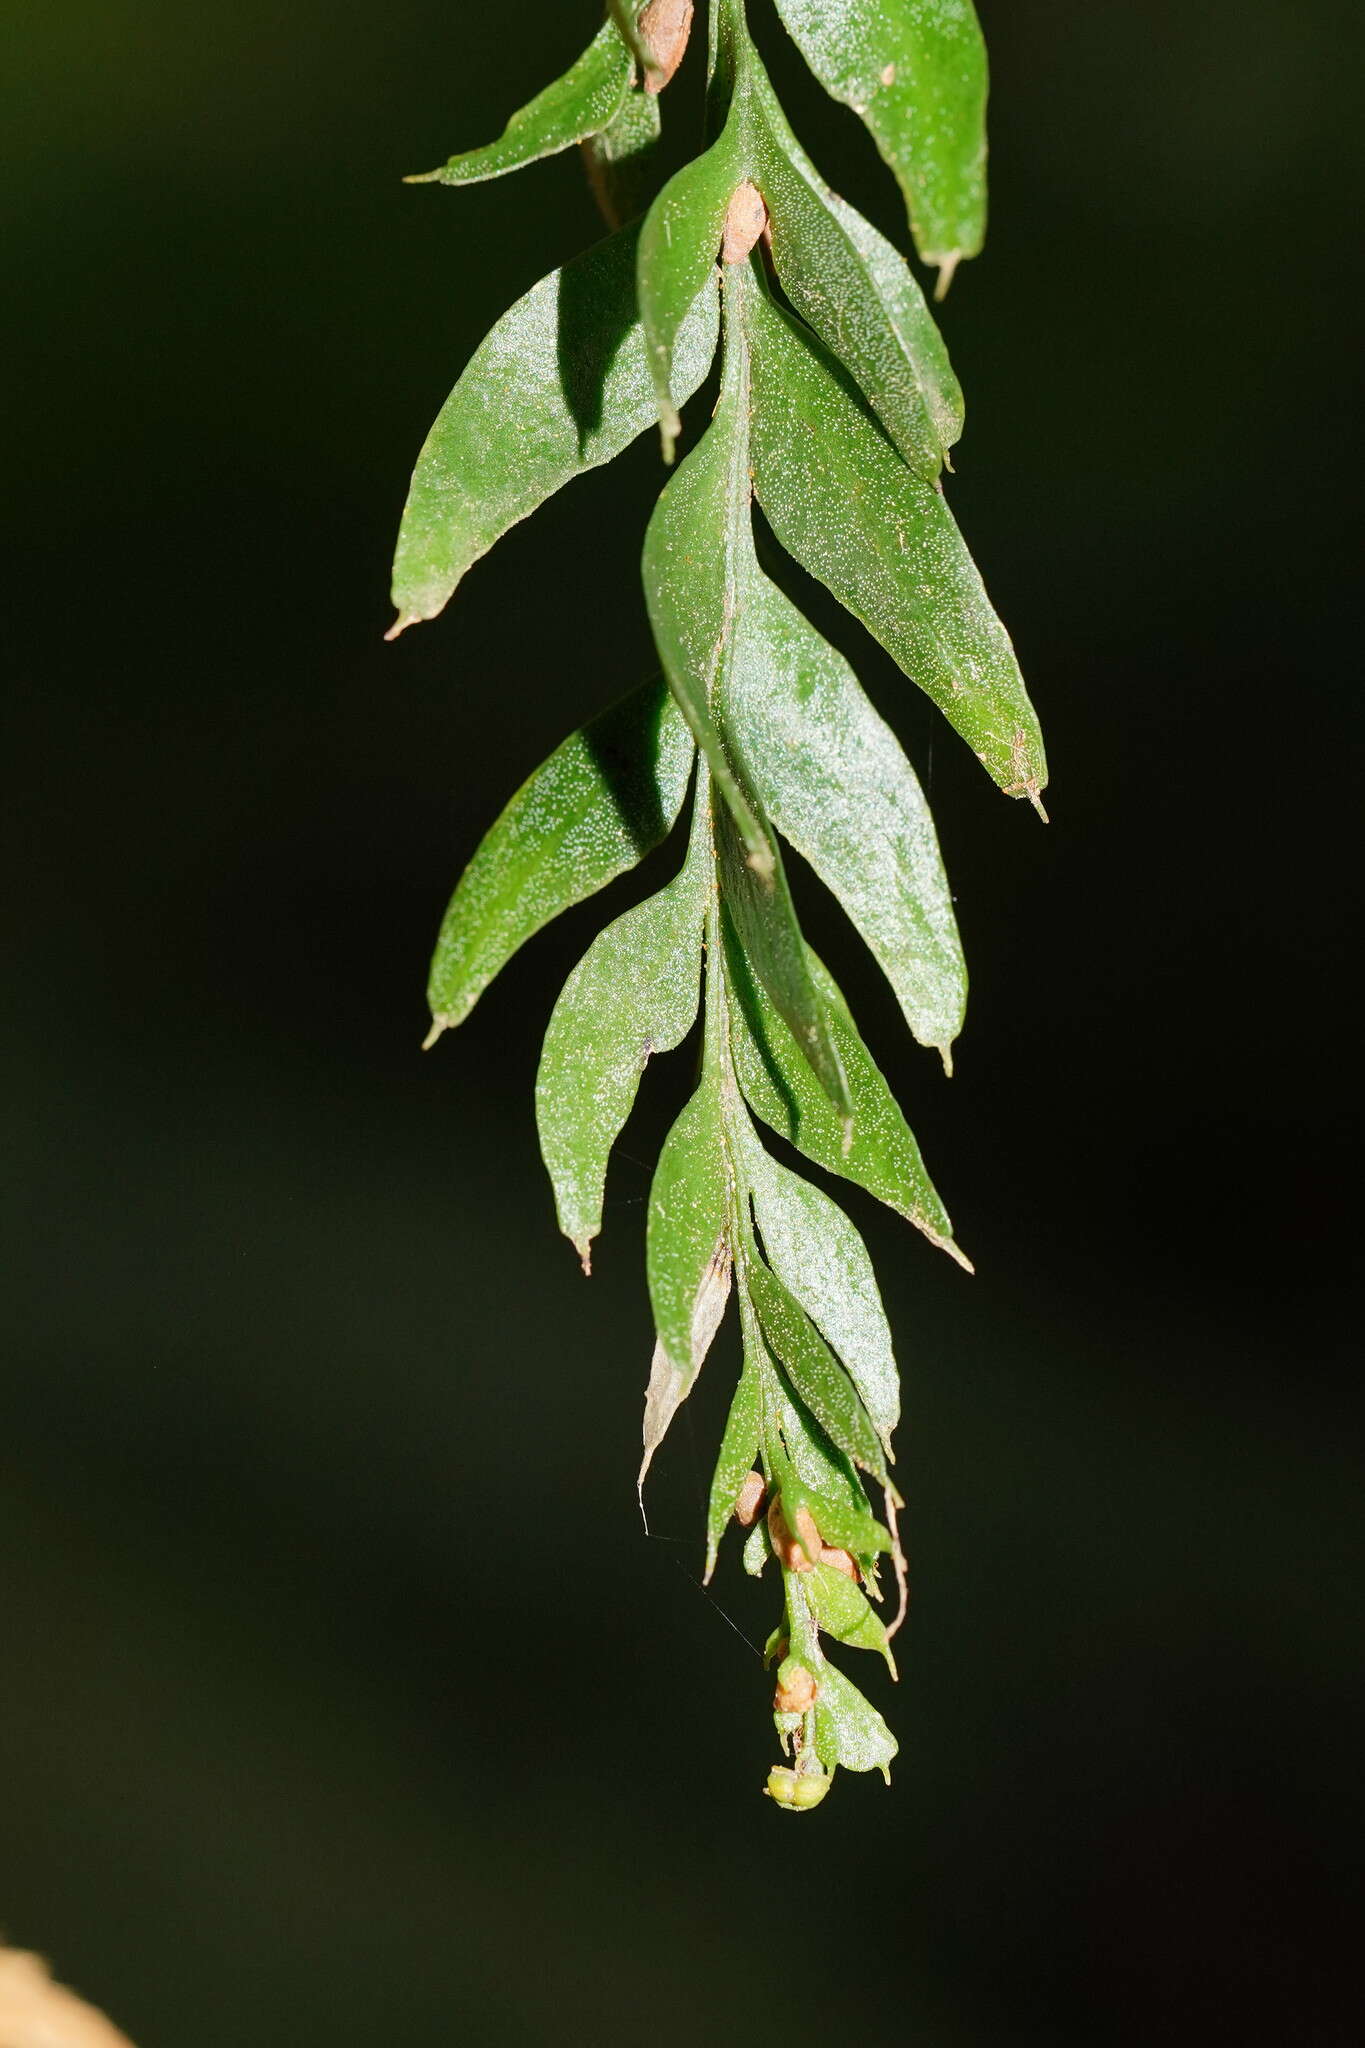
(849, 1731)
(634, 993)
(604, 797)
(688, 1250)
(916, 73)
(841, 1611)
(832, 285)
(581, 103)
(812, 1247)
(700, 576)
(560, 385)
(815, 1373)
(833, 776)
(622, 160)
(779, 1086)
(738, 1450)
(841, 500)
(679, 244)
(908, 311)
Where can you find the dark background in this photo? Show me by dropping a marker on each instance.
(343, 1699)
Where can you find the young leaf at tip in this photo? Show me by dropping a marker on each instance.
(634, 993)
(849, 1731)
(581, 103)
(916, 75)
(560, 385)
(605, 796)
(841, 501)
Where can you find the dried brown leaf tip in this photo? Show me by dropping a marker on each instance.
(664, 27)
(797, 1543)
(749, 1500)
(745, 221)
(36, 2013)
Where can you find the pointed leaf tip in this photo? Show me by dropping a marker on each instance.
(438, 1026)
(401, 624)
(947, 270)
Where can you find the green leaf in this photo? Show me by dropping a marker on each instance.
(764, 923)
(758, 1548)
(738, 1450)
(814, 1249)
(701, 576)
(815, 1373)
(622, 160)
(833, 777)
(849, 1731)
(916, 73)
(559, 386)
(840, 499)
(841, 1611)
(687, 1240)
(634, 993)
(604, 797)
(908, 311)
(679, 244)
(832, 285)
(779, 1086)
(581, 103)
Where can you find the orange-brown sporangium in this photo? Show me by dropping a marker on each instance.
(794, 1553)
(796, 1691)
(749, 1500)
(744, 222)
(664, 28)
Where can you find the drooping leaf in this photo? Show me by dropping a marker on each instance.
(815, 1373)
(679, 244)
(908, 312)
(634, 993)
(764, 923)
(738, 1450)
(833, 777)
(581, 103)
(687, 1238)
(841, 500)
(780, 1088)
(604, 797)
(916, 73)
(817, 1253)
(841, 1611)
(622, 160)
(701, 576)
(832, 285)
(849, 1731)
(689, 579)
(560, 385)
(668, 1388)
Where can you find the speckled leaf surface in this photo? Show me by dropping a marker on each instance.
(679, 245)
(829, 280)
(915, 71)
(585, 100)
(560, 385)
(834, 779)
(849, 1731)
(605, 796)
(841, 1611)
(634, 993)
(738, 1452)
(815, 1250)
(778, 1085)
(815, 1373)
(687, 1233)
(841, 500)
(909, 314)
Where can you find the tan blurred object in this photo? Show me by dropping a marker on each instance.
(36, 2013)
(664, 28)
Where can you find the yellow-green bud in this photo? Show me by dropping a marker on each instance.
(797, 1791)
